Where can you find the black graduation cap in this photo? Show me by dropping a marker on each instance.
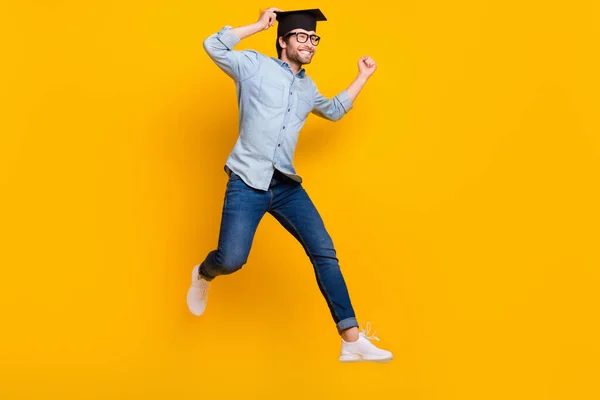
(303, 19)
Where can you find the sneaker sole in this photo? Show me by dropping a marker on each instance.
(353, 358)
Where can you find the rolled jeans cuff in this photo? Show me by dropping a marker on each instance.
(346, 323)
(203, 273)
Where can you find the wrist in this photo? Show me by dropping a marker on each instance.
(362, 78)
(257, 27)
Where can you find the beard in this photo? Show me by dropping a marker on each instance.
(296, 56)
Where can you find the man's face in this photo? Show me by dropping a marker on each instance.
(296, 51)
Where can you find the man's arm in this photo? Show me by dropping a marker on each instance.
(237, 64)
(337, 107)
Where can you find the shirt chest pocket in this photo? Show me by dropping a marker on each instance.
(303, 107)
(271, 94)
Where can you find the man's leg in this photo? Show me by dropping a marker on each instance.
(243, 208)
(295, 211)
(293, 208)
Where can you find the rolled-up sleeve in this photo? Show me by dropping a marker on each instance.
(332, 109)
(239, 65)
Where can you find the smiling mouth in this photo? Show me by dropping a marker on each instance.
(305, 53)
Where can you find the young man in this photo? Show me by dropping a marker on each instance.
(275, 97)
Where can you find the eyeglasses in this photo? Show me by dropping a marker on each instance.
(302, 37)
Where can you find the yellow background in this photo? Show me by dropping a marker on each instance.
(461, 193)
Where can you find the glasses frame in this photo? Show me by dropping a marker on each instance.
(311, 37)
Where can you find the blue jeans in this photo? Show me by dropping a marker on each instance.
(288, 202)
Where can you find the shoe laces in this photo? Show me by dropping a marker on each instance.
(365, 332)
(203, 286)
(203, 289)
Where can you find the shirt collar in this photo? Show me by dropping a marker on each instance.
(285, 65)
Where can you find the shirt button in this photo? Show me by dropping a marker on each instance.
(279, 145)
(290, 93)
(284, 127)
(288, 110)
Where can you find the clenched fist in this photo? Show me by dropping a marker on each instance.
(366, 66)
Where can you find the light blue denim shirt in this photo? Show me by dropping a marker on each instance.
(273, 106)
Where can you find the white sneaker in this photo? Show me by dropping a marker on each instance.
(363, 349)
(197, 295)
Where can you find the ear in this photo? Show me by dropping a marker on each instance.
(282, 42)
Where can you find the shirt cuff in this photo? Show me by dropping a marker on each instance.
(345, 100)
(228, 39)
